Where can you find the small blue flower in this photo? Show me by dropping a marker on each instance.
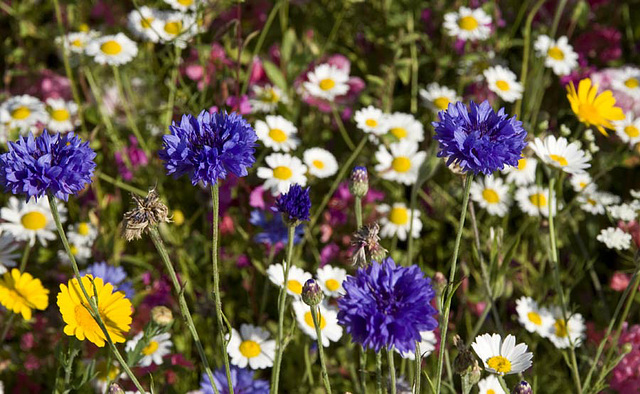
(241, 378)
(209, 147)
(479, 140)
(50, 163)
(294, 205)
(275, 231)
(387, 306)
(111, 274)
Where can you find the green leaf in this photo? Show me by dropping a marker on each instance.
(274, 74)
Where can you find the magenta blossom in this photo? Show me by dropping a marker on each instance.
(137, 158)
(625, 377)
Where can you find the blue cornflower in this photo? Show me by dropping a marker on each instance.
(294, 205)
(209, 147)
(241, 378)
(275, 231)
(479, 140)
(387, 306)
(111, 274)
(50, 163)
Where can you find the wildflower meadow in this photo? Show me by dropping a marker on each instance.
(319, 196)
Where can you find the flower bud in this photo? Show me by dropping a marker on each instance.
(115, 388)
(627, 348)
(464, 361)
(475, 374)
(439, 282)
(312, 294)
(522, 388)
(178, 217)
(359, 181)
(161, 315)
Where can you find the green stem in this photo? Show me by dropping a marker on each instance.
(172, 91)
(452, 276)
(363, 369)
(127, 110)
(343, 130)
(307, 363)
(414, 65)
(316, 323)
(25, 256)
(418, 369)
(358, 209)
(122, 185)
(556, 18)
(184, 308)
(93, 307)
(334, 29)
(379, 372)
(215, 196)
(503, 384)
(392, 371)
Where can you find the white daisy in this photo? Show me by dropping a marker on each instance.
(402, 163)
(582, 183)
(82, 233)
(468, 24)
(561, 154)
(524, 174)
(251, 346)
(492, 194)
(141, 23)
(113, 50)
(330, 329)
(326, 82)
(626, 212)
(532, 317)
(176, 28)
(615, 238)
(8, 255)
(596, 201)
(297, 278)
(427, 346)
(369, 120)
(628, 129)
(560, 332)
(157, 347)
(76, 42)
(321, 162)
(502, 358)
(438, 97)
(266, 98)
(490, 385)
(504, 83)
(627, 80)
(534, 201)
(61, 115)
(277, 133)
(28, 221)
(183, 5)
(558, 54)
(403, 127)
(330, 280)
(283, 171)
(80, 252)
(397, 221)
(23, 112)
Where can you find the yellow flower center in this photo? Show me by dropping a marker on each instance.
(277, 135)
(632, 131)
(83, 27)
(555, 53)
(468, 23)
(632, 83)
(185, 3)
(491, 391)
(499, 364)
(178, 217)
(327, 84)
(309, 320)
(283, 173)
(74, 249)
(318, 164)
(174, 28)
(145, 23)
(583, 185)
(399, 132)
(490, 196)
(111, 47)
(250, 349)
(561, 328)
(371, 123)
(294, 286)
(21, 113)
(441, 103)
(538, 199)
(534, 318)
(83, 229)
(522, 164)
(399, 216)
(84, 319)
(502, 85)
(77, 43)
(150, 348)
(401, 164)
(559, 159)
(332, 284)
(60, 115)
(34, 221)
(591, 201)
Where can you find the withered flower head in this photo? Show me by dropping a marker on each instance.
(367, 244)
(149, 211)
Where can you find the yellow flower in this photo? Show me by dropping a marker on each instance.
(591, 108)
(21, 292)
(115, 311)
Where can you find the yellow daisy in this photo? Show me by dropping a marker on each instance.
(21, 293)
(114, 309)
(591, 108)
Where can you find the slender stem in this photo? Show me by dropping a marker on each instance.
(172, 91)
(25, 256)
(127, 110)
(343, 130)
(452, 276)
(7, 327)
(334, 29)
(358, 209)
(379, 372)
(184, 308)
(215, 196)
(363, 369)
(282, 296)
(263, 35)
(556, 18)
(392, 371)
(122, 185)
(503, 384)
(414, 64)
(93, 307)
(316, 323)
(418, 369)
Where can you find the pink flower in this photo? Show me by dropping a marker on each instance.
(136, 156)
(625, 377)
(27, 341)
(619, 281)
(601, 43)
(329, 253)
(241, 106)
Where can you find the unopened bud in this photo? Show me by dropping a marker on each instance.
(564, 130)
(439, 282)
(522, 388)
(161, 315)
(627, 348)
(475, 374)
(312, 294)
(115, 388)
(359, 181)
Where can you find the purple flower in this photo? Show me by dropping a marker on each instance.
(387, 306)
(275, 231)
(111, 274)
(241, 378)
(50, 163)
(479, 140)
(209, 147)
(294, 205)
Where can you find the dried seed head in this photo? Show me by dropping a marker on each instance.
(149, 211)
(367, 245)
